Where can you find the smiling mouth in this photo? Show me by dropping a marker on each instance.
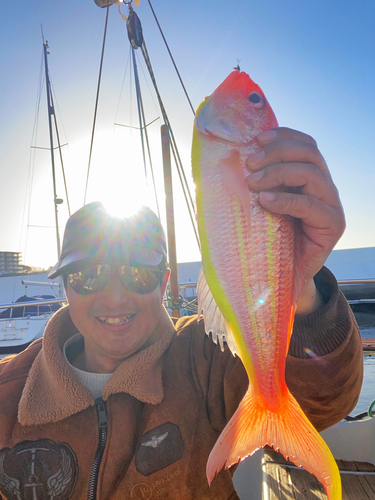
(122, 320)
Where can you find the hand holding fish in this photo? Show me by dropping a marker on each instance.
(291, 163)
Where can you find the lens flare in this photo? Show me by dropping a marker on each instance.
(310, 352)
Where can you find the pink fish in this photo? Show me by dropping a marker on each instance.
(250, 283)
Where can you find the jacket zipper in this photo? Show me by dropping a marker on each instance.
(103, 430)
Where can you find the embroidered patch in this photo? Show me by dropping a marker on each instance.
(38, 470)
(158, 448)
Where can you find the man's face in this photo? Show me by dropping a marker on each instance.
(114, 321)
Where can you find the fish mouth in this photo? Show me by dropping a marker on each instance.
(119, 320)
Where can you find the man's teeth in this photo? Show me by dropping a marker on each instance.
(115, 321)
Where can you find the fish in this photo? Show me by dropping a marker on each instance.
(250, 282)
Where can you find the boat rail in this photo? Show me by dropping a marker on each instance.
(34, 303)
(356, 282)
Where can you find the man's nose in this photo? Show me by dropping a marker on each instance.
(115, 292)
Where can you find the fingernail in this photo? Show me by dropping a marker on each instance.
(267, 135)
(256, 158)
(256, 176)
(267, 196)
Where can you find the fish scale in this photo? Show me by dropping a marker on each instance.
(243, 300)
(250, 282)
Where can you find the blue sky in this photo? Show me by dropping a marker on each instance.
(314, 61)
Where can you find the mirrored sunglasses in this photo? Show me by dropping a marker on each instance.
(139, 279)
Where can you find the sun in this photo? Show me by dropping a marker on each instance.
(122, 208)
(117, 176)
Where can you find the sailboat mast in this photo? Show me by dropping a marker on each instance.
(172, 252)
(50, 113)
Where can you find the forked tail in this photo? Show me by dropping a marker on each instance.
(287, 430)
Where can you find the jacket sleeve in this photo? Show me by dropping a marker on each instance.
(324, 366)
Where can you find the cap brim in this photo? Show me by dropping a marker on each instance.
(70, 259)
(147, 258)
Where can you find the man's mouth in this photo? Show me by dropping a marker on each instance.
(121, 320)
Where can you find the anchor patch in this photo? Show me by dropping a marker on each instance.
(39, 470)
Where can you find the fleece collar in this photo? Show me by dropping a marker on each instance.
(52, 392)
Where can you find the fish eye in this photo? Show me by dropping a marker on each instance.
(256, 99)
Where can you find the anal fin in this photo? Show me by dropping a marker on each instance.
(214, 321)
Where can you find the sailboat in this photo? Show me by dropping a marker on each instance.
(24, 321)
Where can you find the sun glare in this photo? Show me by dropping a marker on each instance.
(122, 208)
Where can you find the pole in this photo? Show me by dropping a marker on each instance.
(165, 141)
(50, 113)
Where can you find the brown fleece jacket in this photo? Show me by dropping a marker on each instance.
(163, 408)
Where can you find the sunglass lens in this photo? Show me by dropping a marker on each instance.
(140, 279)
(89, 280)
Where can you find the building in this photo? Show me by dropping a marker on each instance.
(10, 262)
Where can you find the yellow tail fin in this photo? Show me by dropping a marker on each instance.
(286, 429)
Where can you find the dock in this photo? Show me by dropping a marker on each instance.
(368, 345)
(282, 480)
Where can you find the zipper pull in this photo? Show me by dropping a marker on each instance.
(102, 414)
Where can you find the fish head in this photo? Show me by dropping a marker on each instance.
(236, 112)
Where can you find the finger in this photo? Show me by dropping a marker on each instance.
(285, 152)
(307, 177)
(310, 210)
(284, 134)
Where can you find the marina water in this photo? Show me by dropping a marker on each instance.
(366, 322)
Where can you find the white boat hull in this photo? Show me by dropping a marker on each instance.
(18, 332)
(352, 441)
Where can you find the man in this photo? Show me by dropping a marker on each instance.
(116, 403)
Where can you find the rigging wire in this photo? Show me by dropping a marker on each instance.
(170, 54)
(139, 98)
(30, 175)
(145, 125)
(146, 80)
(60, 152)
(96, 104)
(175, 152)
(123, 83)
